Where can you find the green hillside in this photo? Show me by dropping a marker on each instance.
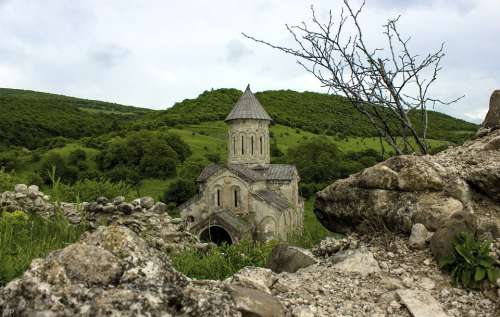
(29, 118)
(314, 112)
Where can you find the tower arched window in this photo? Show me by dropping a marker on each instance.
(261, 146)
(242, 145)
(252, 143)
(234, 145)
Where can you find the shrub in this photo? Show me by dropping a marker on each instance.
(471, 262)
(179, 192)
(24, 237)
(7, 181)
(222, 261)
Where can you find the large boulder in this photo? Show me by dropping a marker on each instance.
(406, 189)
(492, 120)
(285, 258)
(110, 272)
(398, 192)
(442, 240)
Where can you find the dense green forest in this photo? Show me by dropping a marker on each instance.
(314, 112)
(30, 119)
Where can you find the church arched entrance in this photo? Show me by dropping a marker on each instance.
(216, 234)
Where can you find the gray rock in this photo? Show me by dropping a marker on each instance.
(111, 272)
(147, 202)
(492, 119)
(109, 208)
(420, 304)
(102, 200)
(255, 303)
(90, 264)
(285, 258)
(118, 200)
(358, 261)
(418, 236)
(159, 207)
(33, 191)
(254, 277)
(442, 240)
(126, 208)
(21, 188)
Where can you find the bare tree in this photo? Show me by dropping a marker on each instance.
(389, 86)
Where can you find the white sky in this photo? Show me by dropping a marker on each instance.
(154, 53)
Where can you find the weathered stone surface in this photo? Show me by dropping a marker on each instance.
(254, 277)
(90, 264)
(441, 242)
(358, 261)
(147, 202)
(421, 304)
(418, 236)
(285, 258)
(492, 119)
(254, 303)
(111, 272)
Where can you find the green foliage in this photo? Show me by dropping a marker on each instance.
(317, 160)
(471, 262)
(143, 153)
(30, 118)
(314, 112)
(7, 181)
(222, 261)
(91, 189)
(213, 157)
(63, 170)
(179, 191)
(25, 237)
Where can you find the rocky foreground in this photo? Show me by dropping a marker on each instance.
(114, 272)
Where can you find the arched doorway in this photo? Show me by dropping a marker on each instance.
(215, 234)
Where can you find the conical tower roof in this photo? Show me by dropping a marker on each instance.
(248, 107)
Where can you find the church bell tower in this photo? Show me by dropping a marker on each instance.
(248, 133)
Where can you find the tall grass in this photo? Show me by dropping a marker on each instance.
(222, 261)
(24, 237)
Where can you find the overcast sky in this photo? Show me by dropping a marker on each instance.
(154, 53)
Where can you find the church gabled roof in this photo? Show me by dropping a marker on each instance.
(273, 198)
(271, 172)
(248, 107)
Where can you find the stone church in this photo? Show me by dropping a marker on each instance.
(246, 198)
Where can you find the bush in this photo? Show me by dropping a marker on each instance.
(24, 237)
(179, 192)
(7, 181)
(222, 261)
(471, 263)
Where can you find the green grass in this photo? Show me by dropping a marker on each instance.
(223, 261)
(24, 238)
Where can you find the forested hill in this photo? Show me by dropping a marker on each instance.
(315, 112)
(29, 118)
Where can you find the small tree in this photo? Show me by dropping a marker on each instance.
(390, 86)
